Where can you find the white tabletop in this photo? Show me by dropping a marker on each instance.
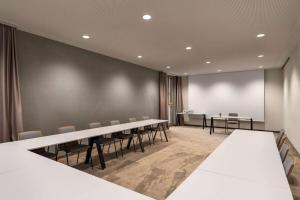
(28, 176)
(246, 165)
(79, 135)
(231, 117)
(210, 186)
(39, 178)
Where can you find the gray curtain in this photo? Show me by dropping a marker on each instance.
(163, 109)
(10, 101)
(178, 95)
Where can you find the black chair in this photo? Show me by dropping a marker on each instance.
(142, 131)
(121, 135)
(280, 136)
(40, 151)
(106, 139)
(232, 119)
(152, 129)
(71, 147)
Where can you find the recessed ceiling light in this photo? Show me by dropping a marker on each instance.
(207, 62)
(147, 17)
(168, 67)
(188, 48)
(219, 70)
(260, 56)
(86, 37)
(260, 67)
(140, 56)
(260, 35)
(185, 73)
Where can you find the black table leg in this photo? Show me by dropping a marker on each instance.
(99, 149)
(251, 121)
(211, 125)
(164, 130)
(129, 142)
(100, 154)
(140, 141)
(89, 151)
(203, 122)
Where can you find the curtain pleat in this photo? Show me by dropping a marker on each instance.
(163, 109)
(178, 95)
(10, 100)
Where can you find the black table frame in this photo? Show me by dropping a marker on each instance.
(204, 123)
(97, 140)
(212, 125)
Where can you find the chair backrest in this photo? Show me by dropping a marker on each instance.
(186, 117)
(284, 151)
(288, 165)
(66, 129)
(29, 134)
(233, 116)
(279, 137)
(132, 119)
(282, 141)
(95, 125)
(114, 122)
(145, 117)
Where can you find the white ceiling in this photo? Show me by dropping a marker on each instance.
(222, 31)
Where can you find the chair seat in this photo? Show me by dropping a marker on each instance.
(150, 128)
(120, 135)
(44, 153)
(106, 140)
(233, 122)
(75, 148)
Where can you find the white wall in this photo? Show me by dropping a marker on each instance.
(273, 101)
(240, 92)
(291, 98)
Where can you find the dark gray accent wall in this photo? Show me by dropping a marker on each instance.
(64, 85)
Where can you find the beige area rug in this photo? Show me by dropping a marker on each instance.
(162, 167)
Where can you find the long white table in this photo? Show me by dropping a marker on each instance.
(245, 166)
(28, 176)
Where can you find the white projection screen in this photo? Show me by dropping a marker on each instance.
(237, 92)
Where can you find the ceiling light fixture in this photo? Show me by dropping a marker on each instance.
(260, 67)
(140, 56)
(207, 62)
(86, 37)
(168, 67)
(185, 73)
(147, 17)
(260, 35)
(260, 56)
(188, 48)
(219, 70)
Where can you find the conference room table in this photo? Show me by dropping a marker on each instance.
(35, 143)
(245, 166)
(179, 118)
(29, 176)
(226, 118)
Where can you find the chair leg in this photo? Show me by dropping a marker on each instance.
(56, 153)
(116, 152)
(78, 157)
(121, 147)
(67, 158)
(149, 138)
(160, 136)
(108, 147)
(92, 163)
(133, 144)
